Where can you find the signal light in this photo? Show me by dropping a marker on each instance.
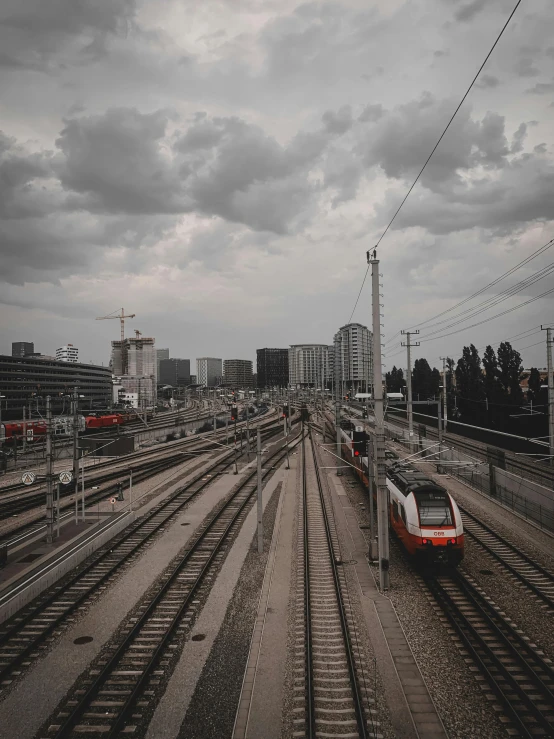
(424, 541)
(359, 441)
(234, 413)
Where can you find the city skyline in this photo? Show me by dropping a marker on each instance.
(248, 205)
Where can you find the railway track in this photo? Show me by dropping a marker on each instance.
(169, 423)
(163, 459)
(117, 692)
(329, 678)
(536, 578)
(22, 635)
(518, 677)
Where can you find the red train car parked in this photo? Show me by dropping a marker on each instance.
(97, 422)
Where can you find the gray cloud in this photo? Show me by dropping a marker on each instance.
(487, 81)
(467, 12)
(524, 67)
(33, 33)
(541, 88)
(401, 140)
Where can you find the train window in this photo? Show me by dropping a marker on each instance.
(403, 513)
(434, 509)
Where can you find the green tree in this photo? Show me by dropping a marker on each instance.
(493, 386)
(395, 380)
(422, 381)
(534, 384)
(510, 368)
(470, 384)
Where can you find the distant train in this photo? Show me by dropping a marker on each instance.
(423, 514)
(62, 426)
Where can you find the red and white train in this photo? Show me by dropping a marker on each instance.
(423, 514)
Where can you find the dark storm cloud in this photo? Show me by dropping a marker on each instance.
(524, 67)
(33, 33)
(122, 162)
(22, 175)
(116, 163)
(524, 194)
(400, 139)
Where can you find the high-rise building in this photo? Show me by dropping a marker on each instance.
(272, 366)
(311, 365)
(67, 353)
(160, 354)
(133, 362)
(354, 358)
(175, 372)
(237, 373)
(208, 371)
(22, 348)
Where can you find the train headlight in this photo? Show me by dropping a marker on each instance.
(452, 541)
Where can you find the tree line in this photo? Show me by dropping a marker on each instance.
(481, 391)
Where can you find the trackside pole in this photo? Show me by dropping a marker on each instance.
(49, 491)
(380, 469)
(130, 490)
(260, 502)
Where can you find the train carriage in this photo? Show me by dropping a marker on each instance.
(423, 514)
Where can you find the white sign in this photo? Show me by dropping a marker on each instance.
(65, 477)
(30, 434)
(28, 478)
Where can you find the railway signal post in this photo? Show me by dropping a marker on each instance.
(408, 344)
(260, 502)
(380, 469)
(49, 490)
(550, 391)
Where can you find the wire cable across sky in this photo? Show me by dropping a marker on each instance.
(438, 143)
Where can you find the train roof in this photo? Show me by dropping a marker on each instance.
(410, 480)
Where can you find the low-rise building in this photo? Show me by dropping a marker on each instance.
(26, 381)
(67, 353)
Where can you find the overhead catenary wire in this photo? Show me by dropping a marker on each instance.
(518, 3)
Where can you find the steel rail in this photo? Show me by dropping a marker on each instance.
(357, 699)
(310, 693)
(524, 578)
(83, 701)
(491, 665)
(140, 470)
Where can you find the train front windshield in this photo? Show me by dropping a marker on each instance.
(434, 509)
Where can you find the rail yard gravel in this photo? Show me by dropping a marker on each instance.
(211, 712)
(461, 703)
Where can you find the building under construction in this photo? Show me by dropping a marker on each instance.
(133, 363)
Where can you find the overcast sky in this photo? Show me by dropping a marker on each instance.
(221, 167)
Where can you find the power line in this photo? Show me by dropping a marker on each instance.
(440, 139)
(449, 122)
(492, 302)
(359, 294)
(503, 276)
(486, 320)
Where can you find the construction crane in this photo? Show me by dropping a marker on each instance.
(121, 317)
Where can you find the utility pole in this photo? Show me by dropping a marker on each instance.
(49, 491)
(338, 365)
(370, 488)
(260, 501)
(75, 410)
(247, 431)
(408, 344)
(550, 391)
(380, 469)
(444, 396)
